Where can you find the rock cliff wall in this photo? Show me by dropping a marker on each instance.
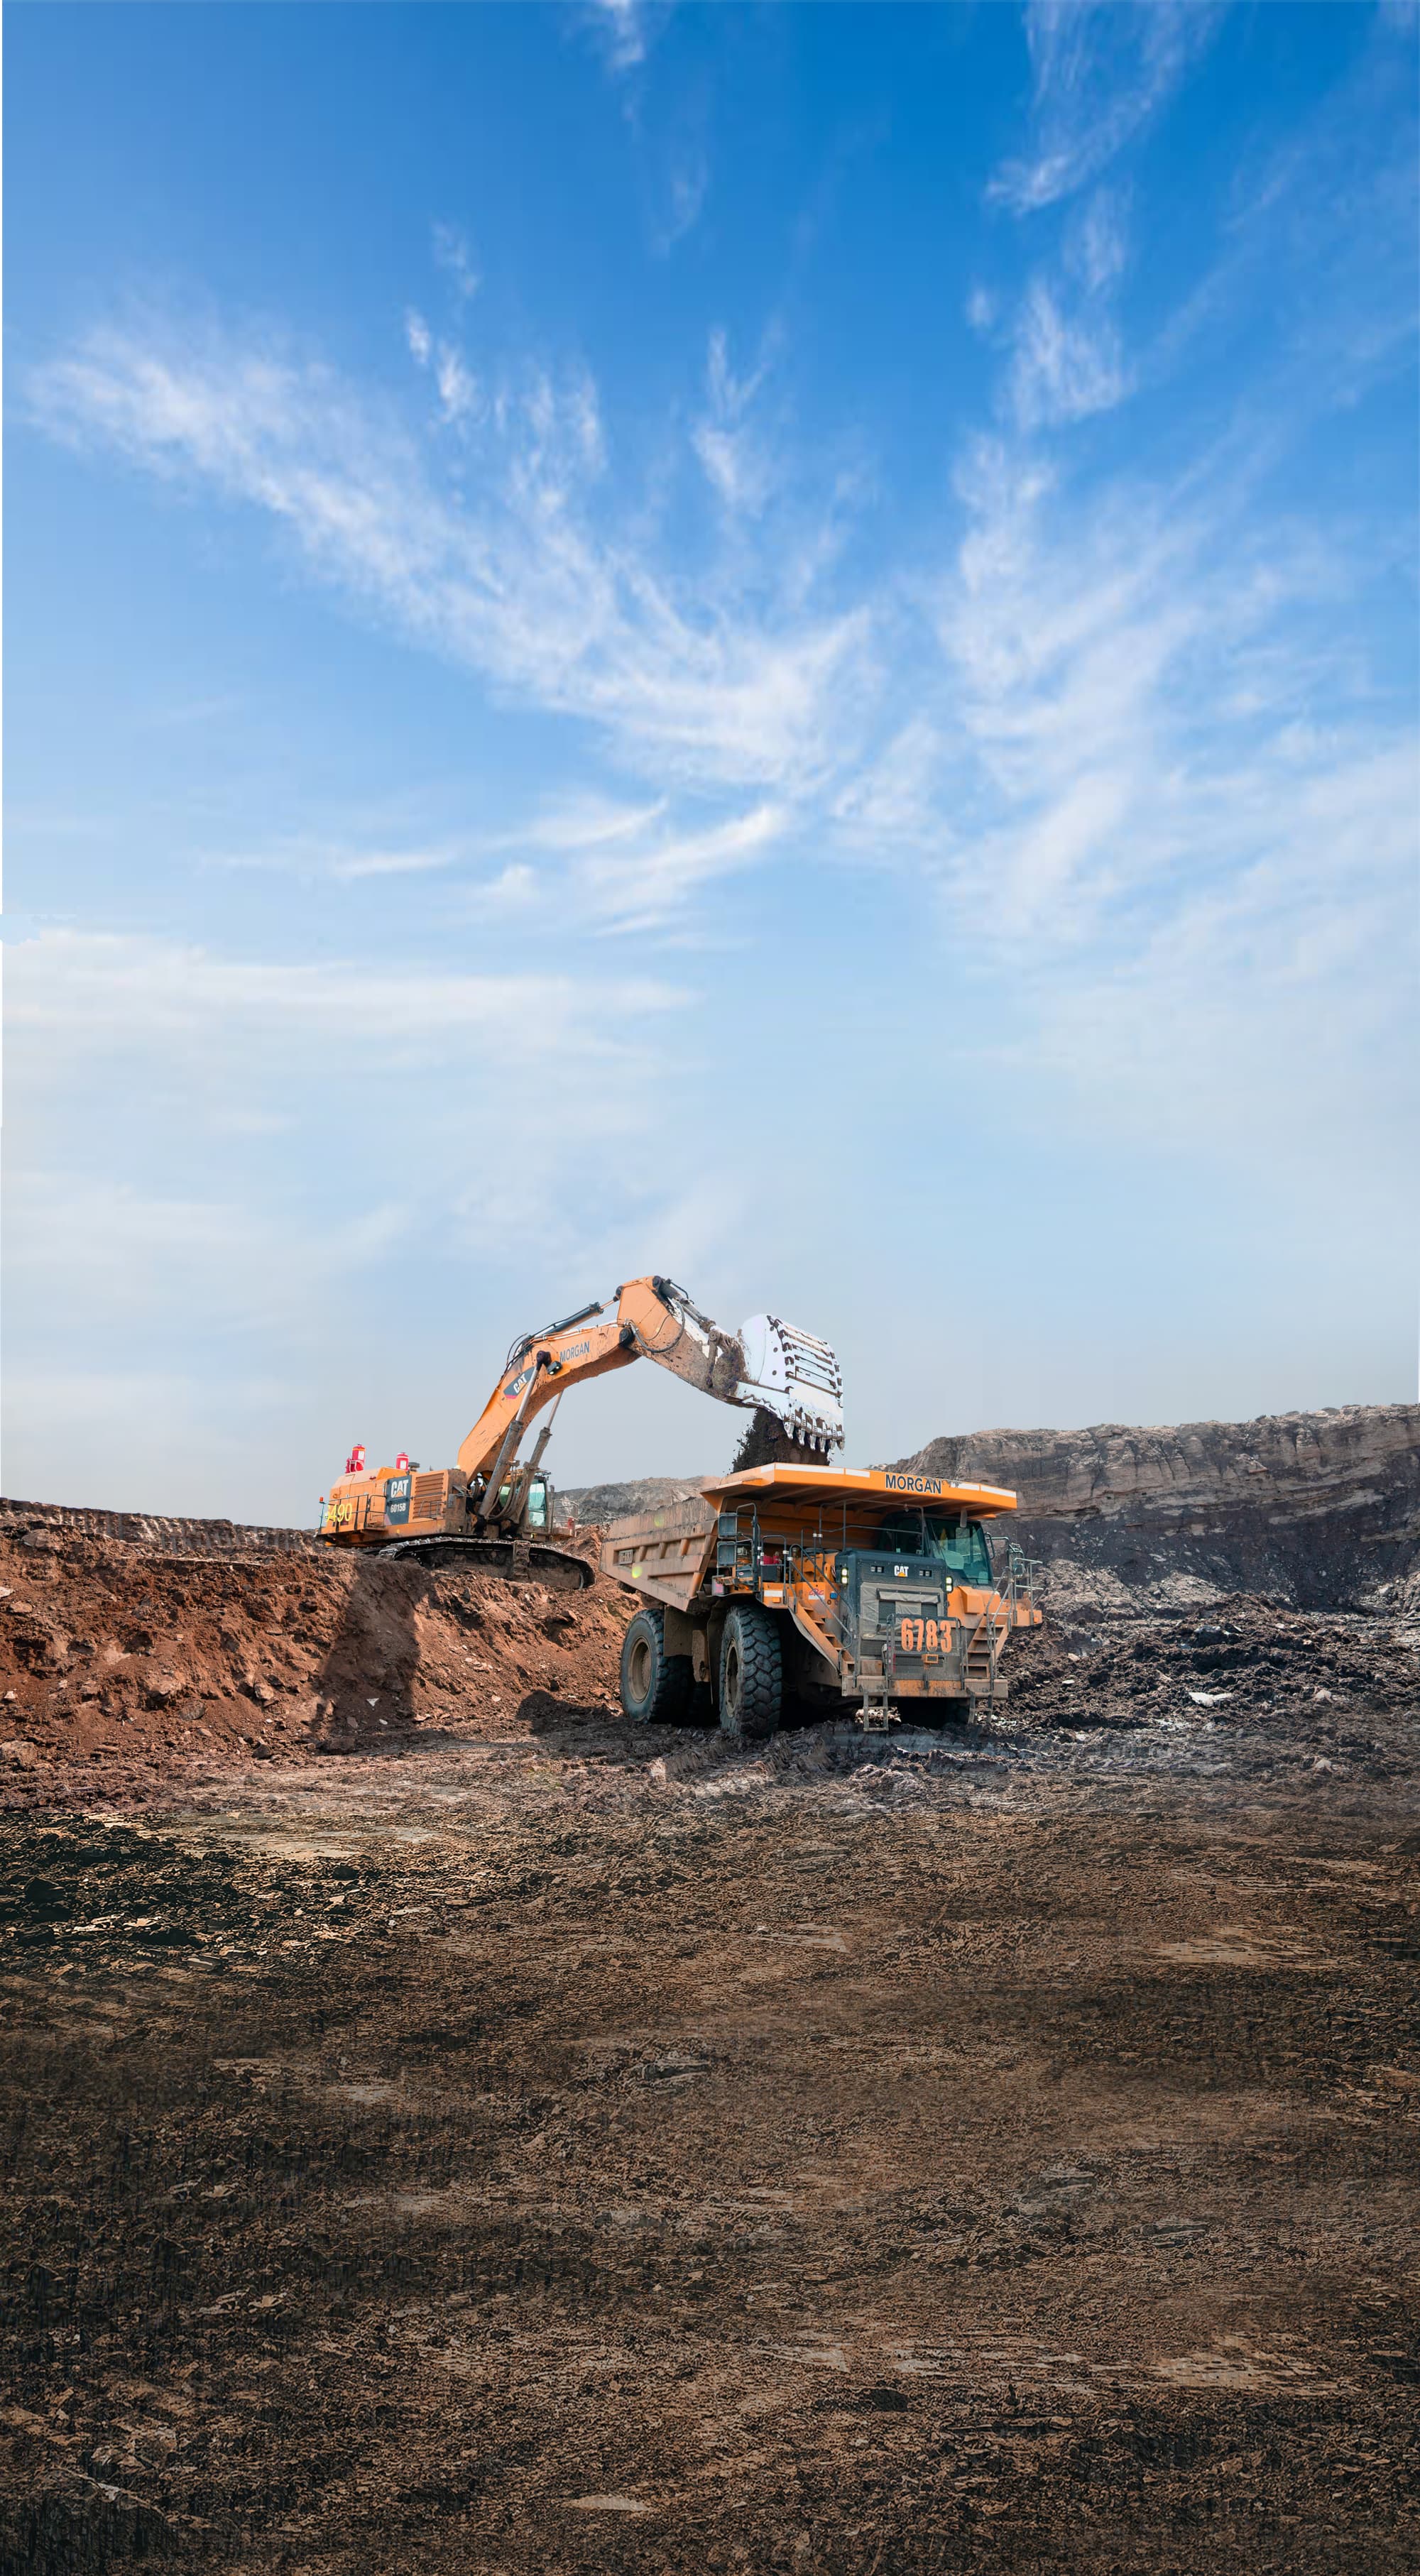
(602, 1503)
(1318, 1509)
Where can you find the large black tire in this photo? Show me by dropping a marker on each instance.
(751, 1673)
(656, 1688)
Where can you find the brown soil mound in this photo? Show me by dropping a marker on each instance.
(130, 1658)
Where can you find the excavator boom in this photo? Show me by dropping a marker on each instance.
(767, 1364)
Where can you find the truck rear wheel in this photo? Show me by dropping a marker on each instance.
(656, 1687)
(751, 1673)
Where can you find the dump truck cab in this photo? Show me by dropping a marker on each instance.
(878, 1586)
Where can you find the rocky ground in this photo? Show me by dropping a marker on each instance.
(520, 2143)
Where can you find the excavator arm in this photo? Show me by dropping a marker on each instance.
(767, 1364)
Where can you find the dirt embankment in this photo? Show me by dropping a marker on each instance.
(130, 1658)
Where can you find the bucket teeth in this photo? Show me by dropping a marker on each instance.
(796, 1376)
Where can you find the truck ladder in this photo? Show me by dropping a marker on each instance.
(982, 1660)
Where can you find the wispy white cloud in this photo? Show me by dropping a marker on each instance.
(1100, 73)
(226, 1215)
(899, 799)
(686, 188)
(639, 882)
(524, 581)
(1069, 356)
(390, 863)
(312, 855)
(623, 28)
(1096, 248)
(588, 821)
(734, 457)
(1267, 1006)
(460, 395)
(91, 988)
(1066, 366)
(515, 889)
(1205, 896)
(458, 390)
(453, 256)
(624, 867)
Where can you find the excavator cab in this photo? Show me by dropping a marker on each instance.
(537, 1512)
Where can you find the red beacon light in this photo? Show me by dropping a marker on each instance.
(355, 1463)
(401, 1464)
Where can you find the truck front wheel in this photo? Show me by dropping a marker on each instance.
(751, 1673)
(655, 1687)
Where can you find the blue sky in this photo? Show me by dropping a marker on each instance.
(770, 643)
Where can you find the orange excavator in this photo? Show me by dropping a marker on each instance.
(494, 1511)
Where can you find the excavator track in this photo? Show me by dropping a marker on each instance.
(517, 1560)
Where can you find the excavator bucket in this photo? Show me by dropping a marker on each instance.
(768, 1366)
(795, 1376)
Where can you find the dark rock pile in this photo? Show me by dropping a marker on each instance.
(1246, 1658)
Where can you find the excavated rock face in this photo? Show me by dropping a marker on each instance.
(596, 1504)
(1321, 1510)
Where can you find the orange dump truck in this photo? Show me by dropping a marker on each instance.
(822, 1584)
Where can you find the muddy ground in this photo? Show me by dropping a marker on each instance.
(522, 2144)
